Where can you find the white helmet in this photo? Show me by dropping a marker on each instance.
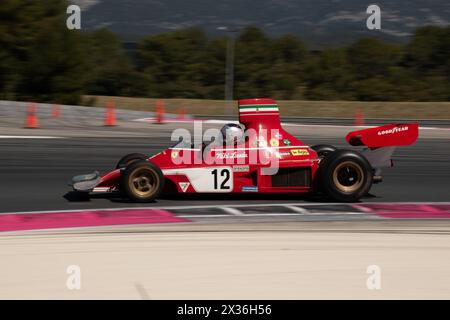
(232, 134)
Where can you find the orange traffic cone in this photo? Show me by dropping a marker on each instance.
(32, 121)
(56, 111)
(359, 118)
(180, 115)
(110, 116)
(159, 112)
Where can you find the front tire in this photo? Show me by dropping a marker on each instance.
(345, 176)
(142, 181)
(129, 159)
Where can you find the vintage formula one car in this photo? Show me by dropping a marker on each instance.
(256, 155)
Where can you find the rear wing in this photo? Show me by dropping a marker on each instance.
(385, 136)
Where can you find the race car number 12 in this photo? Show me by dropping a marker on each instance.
(224, 179)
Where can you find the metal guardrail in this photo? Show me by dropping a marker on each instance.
(13, 111)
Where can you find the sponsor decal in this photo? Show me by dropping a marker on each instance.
(174, 154)
(249, 189)
(285, 154)
(231, 155)
(287, 142)
(241, 168)
(278, 135)
(184, 186)
(274, 142)
(261, 142)
(299, 152)
(393, 130)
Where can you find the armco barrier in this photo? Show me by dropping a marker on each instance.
(14, 113)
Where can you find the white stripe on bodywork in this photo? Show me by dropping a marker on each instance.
(101, 189)
(258, 148)
(245, 110)
(202, 179)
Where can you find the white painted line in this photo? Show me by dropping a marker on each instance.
(233, 211)
(271, 214)
(303, 204)
(306, 212)
(258, 205)
(217, 121)
(350, 126)
(336, 213)
(167, 120)
(243, 215)
(433, 128)
(297, 209)
(203, 215)
(364, 209)
(30, 137)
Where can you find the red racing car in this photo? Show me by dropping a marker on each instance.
(255, 156)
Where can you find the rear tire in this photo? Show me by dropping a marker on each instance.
(142, 181)
(323, 150)
(129, 159)
(345, 176)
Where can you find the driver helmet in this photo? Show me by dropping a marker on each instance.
(232, 134)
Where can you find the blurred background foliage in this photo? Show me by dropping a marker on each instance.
(41, 60)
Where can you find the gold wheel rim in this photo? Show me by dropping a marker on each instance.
(143, 182)
(348, 176)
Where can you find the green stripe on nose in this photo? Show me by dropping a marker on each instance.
(258, 106)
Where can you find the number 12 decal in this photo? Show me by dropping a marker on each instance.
(224, 179)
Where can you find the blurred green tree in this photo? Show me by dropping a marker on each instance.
(329, 75)
(171, 62)
(427, 56)
(288, 67)
(41, 59)
(110, 71)
(253, 77)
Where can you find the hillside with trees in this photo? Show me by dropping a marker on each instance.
(41, 60)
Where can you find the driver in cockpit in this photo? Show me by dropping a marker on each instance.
(232, 135)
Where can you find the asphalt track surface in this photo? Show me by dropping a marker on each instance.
(35, 172)
(264, 259)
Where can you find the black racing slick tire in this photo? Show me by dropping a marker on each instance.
(130, 158)
(345, 176)
(142, 181)
(323, 150)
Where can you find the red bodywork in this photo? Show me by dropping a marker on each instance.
(245, 167)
